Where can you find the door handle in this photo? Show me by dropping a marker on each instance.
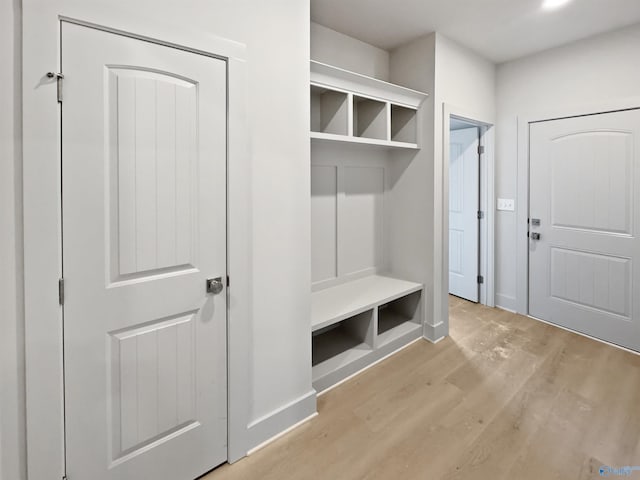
(214, 285)
(535, 236)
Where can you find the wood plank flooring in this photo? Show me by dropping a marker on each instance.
(504, 397)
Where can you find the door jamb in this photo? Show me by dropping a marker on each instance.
(42, 225)
(523, 181)
(487, 199)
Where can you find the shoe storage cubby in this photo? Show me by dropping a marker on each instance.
(346, 323)
(398, 317)
(333, 344)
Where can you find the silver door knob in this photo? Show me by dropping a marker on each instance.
(535, 236)
(214, 285)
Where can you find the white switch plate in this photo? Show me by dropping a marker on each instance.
(506, 204)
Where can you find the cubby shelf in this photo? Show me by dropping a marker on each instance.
(360, 322)
(334, 304)
(359, 126)
(349, 107)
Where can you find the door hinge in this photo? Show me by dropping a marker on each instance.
(480, 279)
(228, 281)
(480, 214)
(59, 77)
(480, 149)
(61, 291)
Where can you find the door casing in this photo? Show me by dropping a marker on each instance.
(43, 229)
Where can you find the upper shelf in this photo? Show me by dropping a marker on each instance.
(331, 76)
(349, 107)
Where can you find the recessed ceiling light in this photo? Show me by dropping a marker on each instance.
(553, 4)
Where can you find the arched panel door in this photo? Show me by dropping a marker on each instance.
(144, 228)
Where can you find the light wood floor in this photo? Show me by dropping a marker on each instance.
(504, 397)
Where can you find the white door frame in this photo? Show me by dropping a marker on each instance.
(42, 222)
(523, 185)
(487, 198)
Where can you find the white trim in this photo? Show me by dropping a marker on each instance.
(506, 302)
(487, 200)
(42, 225)
(522, 214)
(239, 262)
(435, 333)
(281, 434)
(364, 86)
(270, 425)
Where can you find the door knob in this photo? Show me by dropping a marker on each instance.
(535, 236)
(214, 285)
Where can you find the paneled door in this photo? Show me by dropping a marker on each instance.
(144, 227)
(585, 216)
(464, 203)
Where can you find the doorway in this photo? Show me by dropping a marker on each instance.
(144, 132)
(464, 209)
(475, 208)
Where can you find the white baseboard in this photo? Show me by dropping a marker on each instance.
(435, 333)
(506, 302)
(276, 423)
(281, 434)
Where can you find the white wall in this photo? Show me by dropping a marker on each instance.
(12, 452)
(464, 81)
(339, 50)
(588, 73)
(412, 234)
(277, 37)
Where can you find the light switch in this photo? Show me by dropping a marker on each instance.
(506, 204)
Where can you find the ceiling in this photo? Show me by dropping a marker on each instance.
(499, 30)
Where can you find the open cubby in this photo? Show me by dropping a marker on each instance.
(404, 126)
(369, 118)
(399, 317)
(348, 107)
(329, 111)
(331, 343)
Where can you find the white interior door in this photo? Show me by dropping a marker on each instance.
(585, 180)
(144, 226)
(464, 203)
